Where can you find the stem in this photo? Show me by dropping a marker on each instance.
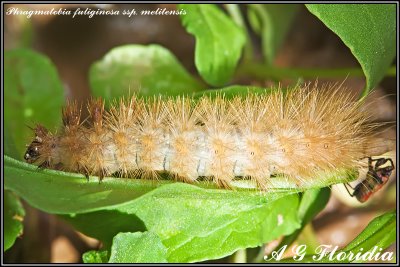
(261, 71)
(236, 15)
(391, 72)
(364, 93)
(309, 239)
(260, 256)
(239, 256)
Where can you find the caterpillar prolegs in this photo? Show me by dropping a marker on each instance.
(297, 133)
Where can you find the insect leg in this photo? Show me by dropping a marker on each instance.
(44, 165)
(348, 185)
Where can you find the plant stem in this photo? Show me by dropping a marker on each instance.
(261, 71)
(239, 256)
(260, 256)
(391, 72)
(308, 238)
(236, 15)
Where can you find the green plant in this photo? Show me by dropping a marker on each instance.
(143, 221)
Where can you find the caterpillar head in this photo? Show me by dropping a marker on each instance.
(35, 149)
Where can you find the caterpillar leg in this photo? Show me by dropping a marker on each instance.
(44, 165)
(222, 183)
(260, 183)
(102, 174)
(84, 171)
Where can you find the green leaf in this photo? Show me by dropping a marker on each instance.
(219, 41)
(187, 218)
(137, 248)
(10, 148)
(196, 224)
(32, 94)
(312, 202)
(94, 256)
(369, 30)
(272, 21)
(105, 224)
(64, 193)
(176, 212)
(144, 70)
(380, 233)
(234, 90)
(13, 216)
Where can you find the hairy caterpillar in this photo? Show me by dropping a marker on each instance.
(300, 133)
